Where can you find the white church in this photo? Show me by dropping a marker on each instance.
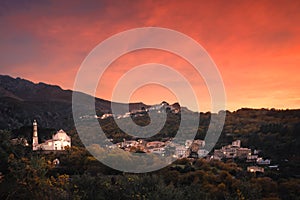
(59, 141)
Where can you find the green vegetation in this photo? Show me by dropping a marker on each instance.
(32, 175)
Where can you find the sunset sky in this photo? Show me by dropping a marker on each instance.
(255, 45)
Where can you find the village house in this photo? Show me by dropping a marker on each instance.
(181, 151)
(236, 143)
(19, 141)
(160, 151)
(252, 158)
(202, 153)
(254, 169)
(243, 152)
(128, 144)
(106, 115)
(261, 161)
(155, 144)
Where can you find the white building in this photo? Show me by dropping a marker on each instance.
(181, 151)
(161, 151)
(104, 116)
(188, 143)
(236, 143)
(254, 169)
(155, 144)
(261, 161)
(59, 141)
(202, 152)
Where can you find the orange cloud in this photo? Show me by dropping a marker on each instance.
(256, 45)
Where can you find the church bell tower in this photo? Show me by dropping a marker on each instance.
(35, 140)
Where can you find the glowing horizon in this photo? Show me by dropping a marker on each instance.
(256, 45)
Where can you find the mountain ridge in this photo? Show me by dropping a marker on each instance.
(22, 101)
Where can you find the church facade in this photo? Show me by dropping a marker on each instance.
(59, 141)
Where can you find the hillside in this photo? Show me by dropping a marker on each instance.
(21, 101)
(275, 133)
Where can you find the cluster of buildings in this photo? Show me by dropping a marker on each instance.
(234, 150)
(258, 163)
(195, 149)
(191, 148)
(257, 160)
(164, 106)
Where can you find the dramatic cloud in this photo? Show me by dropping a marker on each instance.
(256, 45)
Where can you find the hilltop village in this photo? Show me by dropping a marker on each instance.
(159, 108)
(240, 163)
(190, 149)
(194, 149)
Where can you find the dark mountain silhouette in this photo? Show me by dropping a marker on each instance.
(21, 101)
